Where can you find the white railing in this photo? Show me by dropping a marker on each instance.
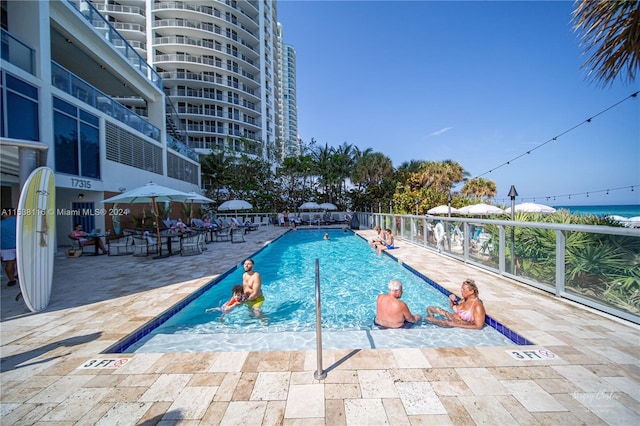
(597, 266)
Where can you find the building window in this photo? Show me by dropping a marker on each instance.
(20, 109)
(77, 140)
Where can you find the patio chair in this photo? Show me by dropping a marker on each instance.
(190, 244)
(76, 247)
(120, 246)
(223, 234)
(305, 219)
(144, 245)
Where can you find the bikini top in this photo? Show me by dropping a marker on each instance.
(466, 314)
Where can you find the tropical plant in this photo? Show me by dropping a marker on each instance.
(610, 33)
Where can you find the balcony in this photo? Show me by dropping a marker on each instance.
(80, 89)
(97, 21)
(17, 53)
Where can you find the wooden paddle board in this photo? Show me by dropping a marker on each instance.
(35, 243)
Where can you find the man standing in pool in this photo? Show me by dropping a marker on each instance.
(252, 285)
(393, 313)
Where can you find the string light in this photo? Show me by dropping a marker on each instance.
(573, 194)
(555, 138)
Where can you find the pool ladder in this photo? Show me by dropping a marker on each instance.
(319, 374)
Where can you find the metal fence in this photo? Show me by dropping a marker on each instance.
(596, 266)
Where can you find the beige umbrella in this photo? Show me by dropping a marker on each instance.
(195, 197)
(150, 193)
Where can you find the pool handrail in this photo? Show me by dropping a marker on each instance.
(319, 374)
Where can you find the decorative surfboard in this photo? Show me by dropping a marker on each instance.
(35, 233)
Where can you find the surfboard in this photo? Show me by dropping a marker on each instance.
(35, 238)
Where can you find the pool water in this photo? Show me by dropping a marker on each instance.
(352, 275)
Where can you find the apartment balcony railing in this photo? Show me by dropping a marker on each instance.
(208, 95)
(70, 83)
(208, 10)
(183, 149)
(187, 41)
(98, 21)
(202, 26)
(595, 266)
(178, 57)
(133, 10)
(16, 52)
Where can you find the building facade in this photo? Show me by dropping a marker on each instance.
(66, 76)
(218, 63)
(287, 105)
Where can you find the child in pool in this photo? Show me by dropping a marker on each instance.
(236, 299)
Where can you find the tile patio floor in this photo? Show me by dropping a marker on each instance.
(594, 380)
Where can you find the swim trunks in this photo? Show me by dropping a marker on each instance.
(406, 324)
(255, 303)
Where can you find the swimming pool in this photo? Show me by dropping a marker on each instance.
(351, 278)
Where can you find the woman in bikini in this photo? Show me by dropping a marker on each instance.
(468, 312)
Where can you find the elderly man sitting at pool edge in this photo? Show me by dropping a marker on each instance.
(392, 312)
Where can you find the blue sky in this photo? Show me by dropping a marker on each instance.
(476, 82)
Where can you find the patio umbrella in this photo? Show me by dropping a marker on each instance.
(633, 222)
(531, 208)
(480, 209)
(310, 205)
(195, 197)
(234, 205)
(443, 210)
(328, 206)
(150, 193)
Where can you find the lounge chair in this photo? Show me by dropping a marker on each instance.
(223, 234)
(237, 236)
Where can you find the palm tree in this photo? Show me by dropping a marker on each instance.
(611, 33)
(215, 169)
(479, 187)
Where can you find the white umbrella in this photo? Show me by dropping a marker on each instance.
(199, 198)
(310, 205)
(442, 210)
(234, 205)
(531, 208)
(480, 209)
(633, 222)
(150, 193)
(328, 206)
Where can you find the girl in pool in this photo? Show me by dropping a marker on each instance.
(468, 312)
(236, 300)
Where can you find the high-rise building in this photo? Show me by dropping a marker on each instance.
(64, 76)
(287, 105)
(218, 63)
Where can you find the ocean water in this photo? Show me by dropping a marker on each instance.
(628, 210)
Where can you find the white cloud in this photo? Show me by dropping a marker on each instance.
(439, 132)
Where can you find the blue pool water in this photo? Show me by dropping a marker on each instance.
(351, 278)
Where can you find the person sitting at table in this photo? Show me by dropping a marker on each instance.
(87, 240)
